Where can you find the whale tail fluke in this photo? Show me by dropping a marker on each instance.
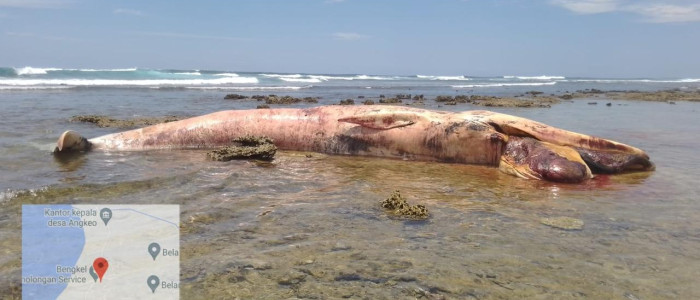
(71, 141)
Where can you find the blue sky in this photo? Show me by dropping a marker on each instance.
(602, 38)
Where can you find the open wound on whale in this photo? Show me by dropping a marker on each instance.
(378, 120)
(517, 146)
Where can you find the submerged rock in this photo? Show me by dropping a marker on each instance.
(311, 99)
(389, 100)
(566, 96)
(247, 147)
(661, 96)
(347, 102)
(402, 210)
(564, 223)
(274, 99)
(491, 101)
(235, 97)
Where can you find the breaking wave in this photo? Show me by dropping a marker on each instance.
(250, 88)
(543, 77)
(227, 74)
(307, 80)
(125, 82)
(430, 77)
(684, 80)
(503, 84)
(321, 78)
(34, 71)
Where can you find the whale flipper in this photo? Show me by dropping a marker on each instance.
(71, 141)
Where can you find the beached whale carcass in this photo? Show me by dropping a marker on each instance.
(517, 146)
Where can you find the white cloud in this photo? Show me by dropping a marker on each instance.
(34, 3)
(349, 36)
(588, 6)
(667, 13)
(656, 11)
(126, 11)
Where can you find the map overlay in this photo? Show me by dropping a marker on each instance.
(100, 251)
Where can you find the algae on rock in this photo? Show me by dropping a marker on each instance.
(401, 209)
(246, 147)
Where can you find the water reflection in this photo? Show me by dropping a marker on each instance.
(69, 162)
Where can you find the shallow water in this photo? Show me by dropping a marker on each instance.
(311, 227)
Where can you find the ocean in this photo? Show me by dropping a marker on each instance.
(56, 78)
(309, 225)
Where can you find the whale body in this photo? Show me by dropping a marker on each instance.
(515, 145)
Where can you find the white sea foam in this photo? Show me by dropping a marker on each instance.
(40, 87)
(431, 77)
(684, 80)
(34, 71)
(307, 80)
(319, 78)
(326, 77)
(116, 82)
(503, 84)
(367, 77)
(43, 71)
(296, 77)
(543, 77)
(227, 74)
(104, 70)
(283, 75)
(250, 88)
(356, 77)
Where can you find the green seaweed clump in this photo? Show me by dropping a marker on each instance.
(402, 210)
(246, 147)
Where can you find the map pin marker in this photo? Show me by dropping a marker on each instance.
(105, 215)
(153, 282)
(100, 264)
(154, 249)
(93, 274)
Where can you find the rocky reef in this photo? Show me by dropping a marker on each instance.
(491, 101)
(247, 147)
